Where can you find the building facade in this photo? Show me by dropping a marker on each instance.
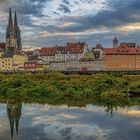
(124, 57)
(75, 51)
(72, 51)
(19, 60)
(60, 54)
(47, 55)
(6, 64)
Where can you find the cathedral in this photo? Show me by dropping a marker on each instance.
(13, 39)
(11, 55)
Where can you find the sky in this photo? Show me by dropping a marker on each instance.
(44, 23)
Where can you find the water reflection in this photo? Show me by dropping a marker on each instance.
(14, 115)
(72, 121)
(110, 109)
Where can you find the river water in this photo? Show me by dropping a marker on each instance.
(19, 121)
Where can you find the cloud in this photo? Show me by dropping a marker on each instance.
(66, 2)
(75, 131)
(64, 8)
(48, 21)
(30, 7)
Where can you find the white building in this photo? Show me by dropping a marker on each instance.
(70, 52)
(75, 51)
(47, 55)
(60, 54)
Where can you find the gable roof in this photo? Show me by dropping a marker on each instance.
(51, 51)
(77, 47)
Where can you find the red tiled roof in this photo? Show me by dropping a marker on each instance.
(123, 49)
(61, 48)
(51, 51)
(71, 47)
(77, 47)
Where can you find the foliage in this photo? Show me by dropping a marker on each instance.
(57, 87)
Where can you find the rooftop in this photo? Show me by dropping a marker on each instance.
(123, 49)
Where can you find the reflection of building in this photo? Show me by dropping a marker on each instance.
(14, 114)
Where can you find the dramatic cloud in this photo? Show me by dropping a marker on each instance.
(49, 22)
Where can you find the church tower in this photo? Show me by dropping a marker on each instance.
(13, 40)
(10, 35)
(115, 43)
(17, 34)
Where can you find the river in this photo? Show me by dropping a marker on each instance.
(20, 121)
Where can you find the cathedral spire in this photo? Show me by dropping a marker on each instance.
(15, 21)
(10, 24)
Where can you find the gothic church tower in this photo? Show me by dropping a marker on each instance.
(13, 40)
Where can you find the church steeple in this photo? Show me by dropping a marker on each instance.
(10, 23)
(15, 21)
(13, 39)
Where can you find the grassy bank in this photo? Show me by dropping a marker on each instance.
(60, 88)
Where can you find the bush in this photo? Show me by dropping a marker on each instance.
(3, 90)
(38, 91)
(112, 94)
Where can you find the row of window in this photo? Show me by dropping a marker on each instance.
(30, 65)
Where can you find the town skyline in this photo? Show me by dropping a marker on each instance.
(47, 23)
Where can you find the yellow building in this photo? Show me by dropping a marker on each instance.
(12, 63)
(19, 60)
(1, 54)
(6, 64)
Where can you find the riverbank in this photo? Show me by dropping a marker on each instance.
(59, 88)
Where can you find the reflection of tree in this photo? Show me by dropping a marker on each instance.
(14, 114)
(110, 108)
(74, 105)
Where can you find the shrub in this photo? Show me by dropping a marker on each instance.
(3, 90)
